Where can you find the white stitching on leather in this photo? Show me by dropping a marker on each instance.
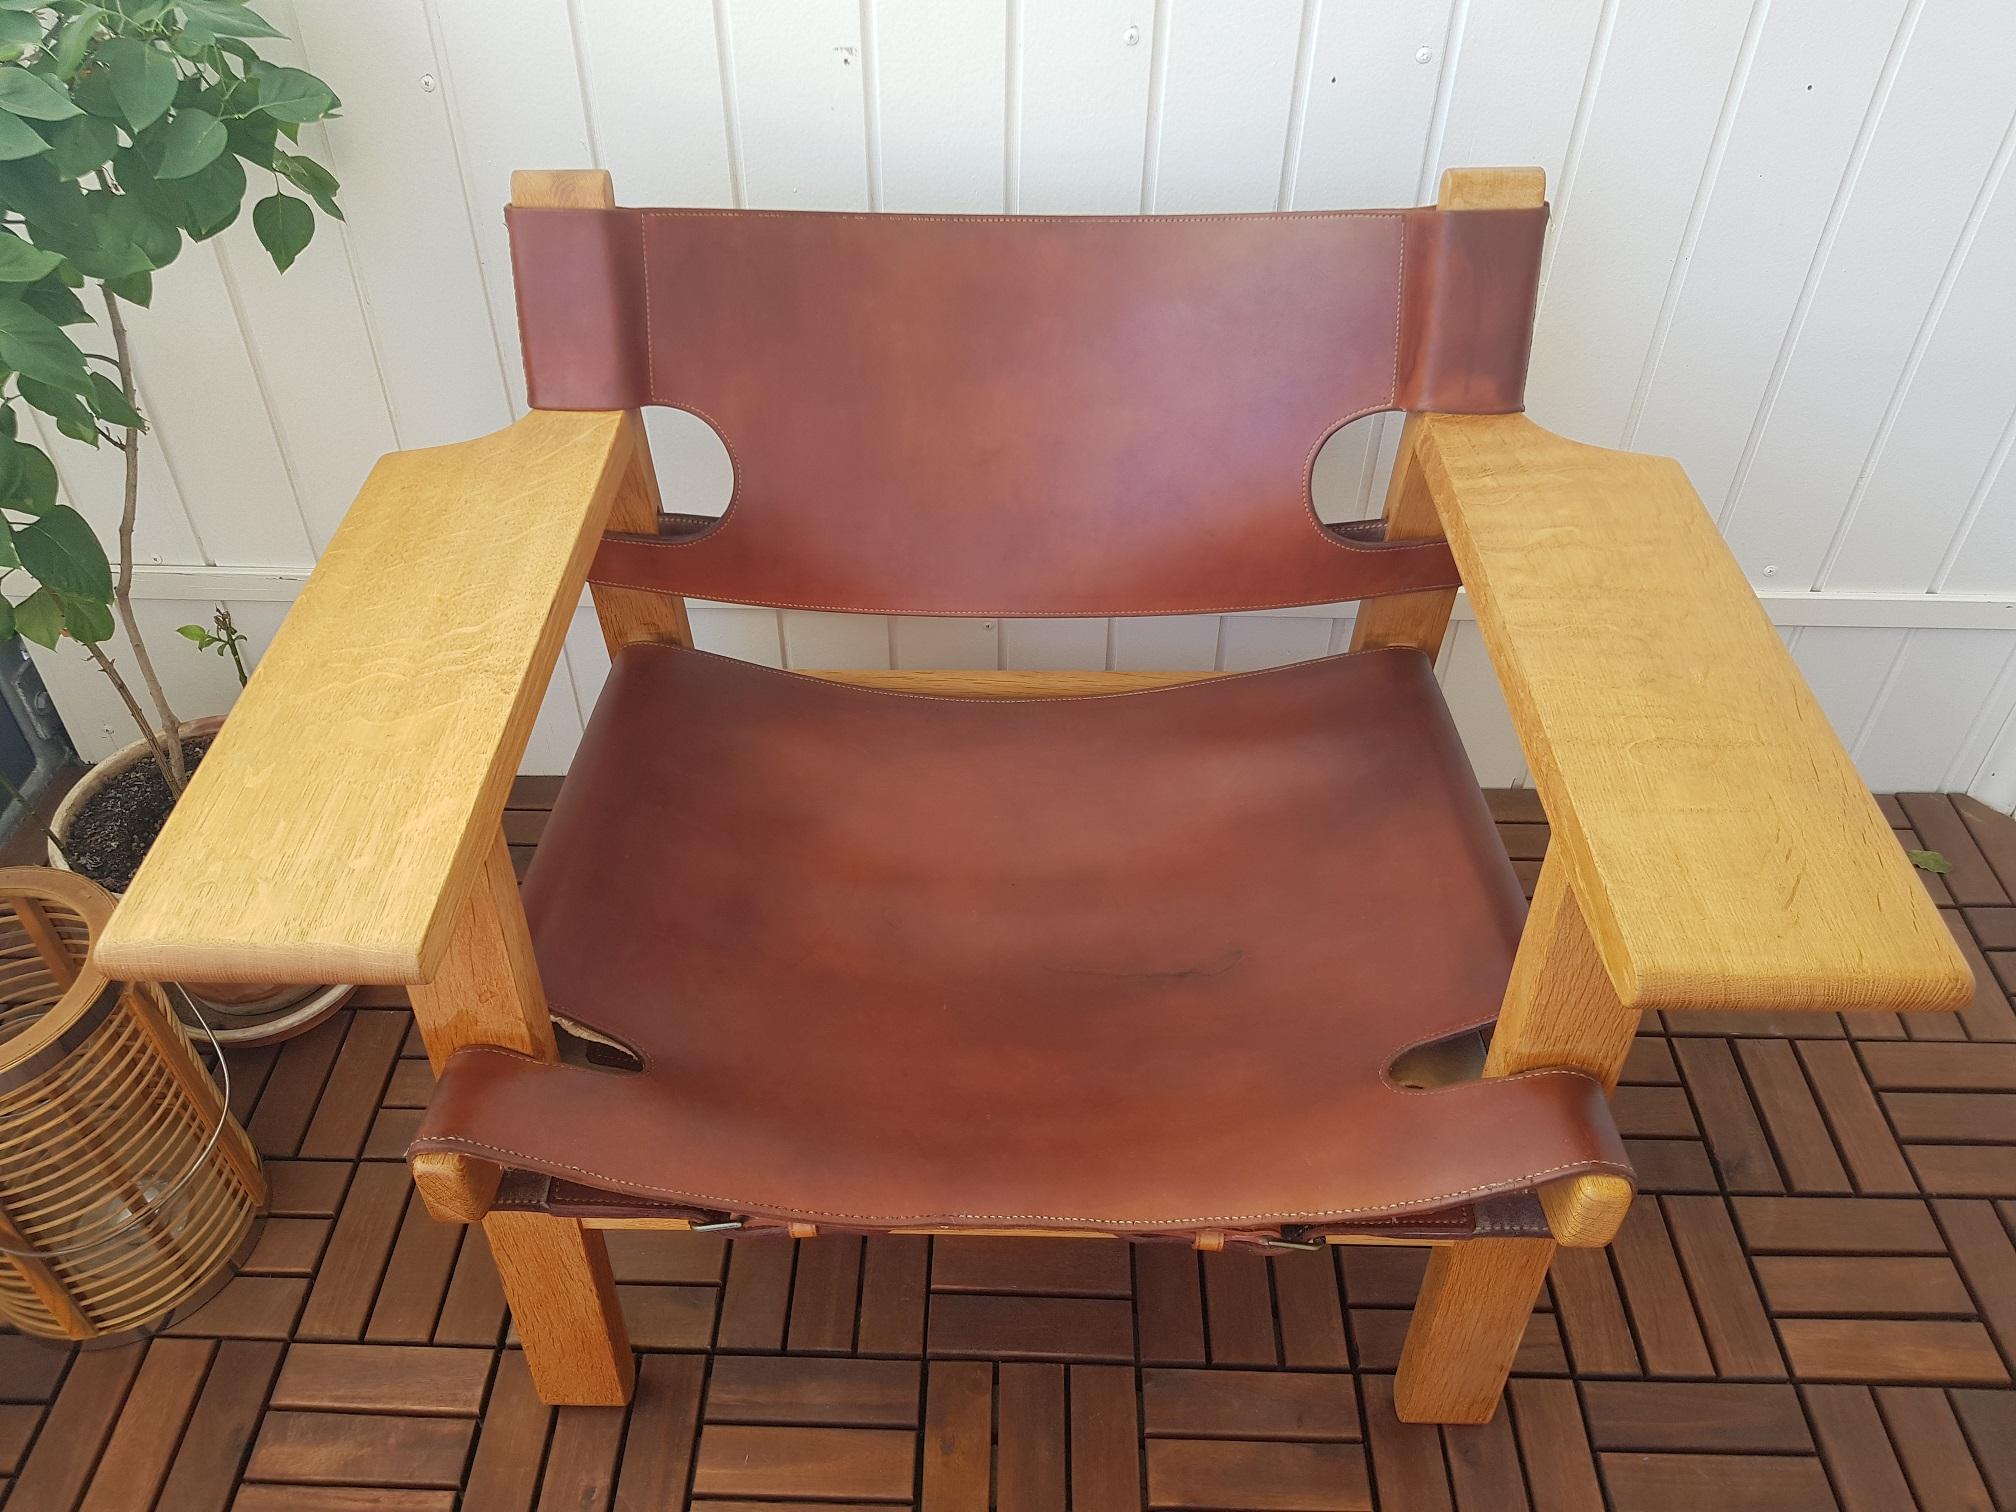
(1323, 532)
(738, 1204)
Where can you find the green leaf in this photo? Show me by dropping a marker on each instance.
(75, 40)
(22, 5)
(18, 139)
(88, 620)
(19, 31)
(57, 302)
(134, 288)
(309, 176)
(35, 346)
(38, 486)
(284, 224)
(195, 633)
(28, 94)
(227, 18)
(191, 142)
(1930, 861)
(83, 144)
(212, 199)
(21, 263)
(143, 79)
(6, 620)
(61, 552)
(66, 409)
(40, 617)
(111, 405)
(289, 94)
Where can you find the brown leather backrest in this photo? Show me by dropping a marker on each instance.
(996, 415)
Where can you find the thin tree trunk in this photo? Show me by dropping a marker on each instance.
(156, 746)
(175, 773)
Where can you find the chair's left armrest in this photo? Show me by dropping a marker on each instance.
(337, 821)
(1721, 845)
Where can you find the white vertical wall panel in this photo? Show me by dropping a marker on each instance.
(1770, 194)
(1616, 237)
(941, 105)
(1912, 193)
(801, 117)
(1227, 88)
(394, 149)
(1780, 250)
(1369, 103)
(1936, 461)
(1082, 71)
(651, 78)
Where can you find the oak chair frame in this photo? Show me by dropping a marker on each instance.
(1668, 733)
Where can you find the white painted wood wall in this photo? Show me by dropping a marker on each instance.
(1783, 250)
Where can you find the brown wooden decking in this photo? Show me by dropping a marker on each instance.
(1814, 1306)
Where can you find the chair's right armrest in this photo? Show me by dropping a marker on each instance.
(1724, 852)
(343, 810)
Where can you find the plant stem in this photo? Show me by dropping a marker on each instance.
(28, 813)
(155, 743)
(175, 773)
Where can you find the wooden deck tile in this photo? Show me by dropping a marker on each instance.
(1239, 1308)
(1726, 1482)
(415, 1379)
(777, 1389)
(1029, 1431)
(1013, 1328)
(349, 1449)
(1105, 1440)
(956, 1469)
(664, 1427)
(1812, 1304)
(1057, 1267)
(1934, 1454)
(135, 1461)
(1705, 1416)
(1248, 1404)
(1857, 1449)
(871, 1463)
(1260, 1476)
(512, 1445)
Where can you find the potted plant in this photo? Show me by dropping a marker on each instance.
(126, 128)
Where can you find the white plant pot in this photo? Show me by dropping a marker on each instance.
(237, 1016)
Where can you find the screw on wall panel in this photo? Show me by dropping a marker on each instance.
(1424, 55)
(1770, 572)
(1131, 36)
(427, 84)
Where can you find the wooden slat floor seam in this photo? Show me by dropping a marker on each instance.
(1813, 1305)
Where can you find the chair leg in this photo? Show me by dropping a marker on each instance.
(1468, 1322)
(563, 1299)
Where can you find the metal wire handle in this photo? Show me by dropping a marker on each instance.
(201, 1159)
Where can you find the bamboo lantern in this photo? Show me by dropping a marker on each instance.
(126, 1188)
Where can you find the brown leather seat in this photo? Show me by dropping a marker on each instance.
(1135, 962)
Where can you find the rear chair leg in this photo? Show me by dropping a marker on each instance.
(1468, 1321)
(563, 1299)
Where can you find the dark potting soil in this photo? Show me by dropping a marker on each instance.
(111, 833)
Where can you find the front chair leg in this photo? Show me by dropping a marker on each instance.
(1468, 1321)
(563, 1299)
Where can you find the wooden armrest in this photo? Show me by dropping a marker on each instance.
(334, 826)
(1722, 847)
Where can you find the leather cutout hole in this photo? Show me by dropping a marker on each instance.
(1441, 1063)
(1348, 481)
(696, 476)
(581, 1045)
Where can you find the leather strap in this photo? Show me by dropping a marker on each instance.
(987, 415)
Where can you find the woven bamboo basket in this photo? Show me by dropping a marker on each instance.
(126, 1188)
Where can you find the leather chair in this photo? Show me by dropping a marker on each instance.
(1174, 958)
